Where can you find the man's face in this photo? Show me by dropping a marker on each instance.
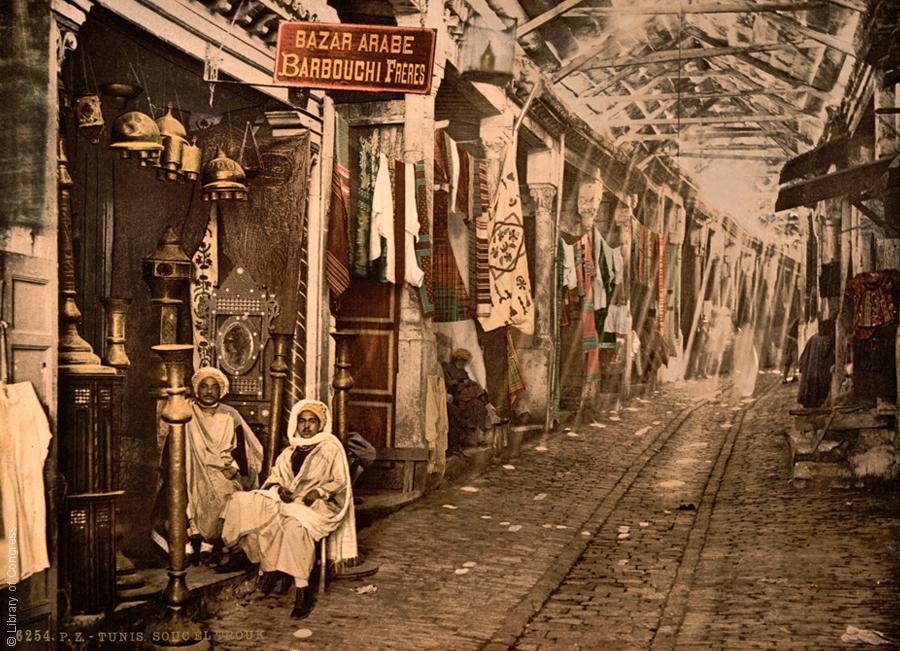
(308, 424)
(208, 392)
(460, 362)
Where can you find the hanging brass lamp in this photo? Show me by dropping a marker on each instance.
(174, 138)
(191, 161)
(135, 133)
(223, 178)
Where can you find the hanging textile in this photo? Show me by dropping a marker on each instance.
(423, 244)
(660, 242)
(605, 277)
(337, 247)
(875, 297)
(411, 270)
(557, 336)
(453, 171)
(590, 341)
(482, 234)
(204, 280)
(514, 368)
(451, 302)
(24, 442)
(570, 277)
(511, 301)
(365, 186)
(463, 198)
(382, 256)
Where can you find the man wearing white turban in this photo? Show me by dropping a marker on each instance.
(307, 496)
(223, 457)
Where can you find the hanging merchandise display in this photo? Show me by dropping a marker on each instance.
(174, 139)
(136, 134)
(89, 114)
(223, 178)
(191, 161)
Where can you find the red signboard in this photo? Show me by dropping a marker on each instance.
(355, 57)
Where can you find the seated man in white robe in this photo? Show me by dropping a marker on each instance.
(223, 457)
(307, 497)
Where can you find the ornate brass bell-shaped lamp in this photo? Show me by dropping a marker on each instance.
(191, 161)
(174, 138)
(135, 133)
(223, 178)
(89, 115)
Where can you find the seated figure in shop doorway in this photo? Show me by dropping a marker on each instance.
(467, 403)
(223, 457)
(307, 496)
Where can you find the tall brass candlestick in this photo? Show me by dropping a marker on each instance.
(342, 382)
(278, 372)
(174, 628)
(115, 356)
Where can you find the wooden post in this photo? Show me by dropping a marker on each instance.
(174, 629)
(278, 371)
(342, 383)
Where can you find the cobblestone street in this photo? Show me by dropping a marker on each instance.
(670, 524)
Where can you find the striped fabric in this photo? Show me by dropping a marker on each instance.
(463, 203)
(451, 301)
(337, 247)
(590, 341)
(514, 369)
(366, 183)
(661, 296)
(482, 236)
(423, 244)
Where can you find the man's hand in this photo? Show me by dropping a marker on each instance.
(230, 472)
(284, 493)
(310, 497)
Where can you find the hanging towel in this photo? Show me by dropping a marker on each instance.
(24, 441)
(382, 257)
(205, 279)
(414, 274)
(570, 278)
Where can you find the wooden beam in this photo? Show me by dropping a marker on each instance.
(851, 181)
(813, 34)
(692, 136)
(700, 8)
(666, 56)
(719, 156)
(853, 5)
(657, 97)
(711, 119)
(546, 17)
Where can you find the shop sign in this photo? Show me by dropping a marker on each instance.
(355, 57)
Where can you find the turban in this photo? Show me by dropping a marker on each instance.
(461, 353)
(320, 409)
(214, 373)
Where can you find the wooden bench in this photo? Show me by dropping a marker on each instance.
(406, 456)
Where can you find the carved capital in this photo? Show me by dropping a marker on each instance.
(543, 195)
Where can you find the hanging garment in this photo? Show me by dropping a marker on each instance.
(337, 246)
(204, 280)
(365, 187)
(605, 277)
(556, 395)
(463, 194)
(423, 245)
(514, 369)
(875, 297)
(453, 169)
(570, 277)
(511, 299)
(590, 341)
(451, 302)
(382, 257)
(24, 441)
(412, 272)
(482, 235)
(436, 424)
(815, 371)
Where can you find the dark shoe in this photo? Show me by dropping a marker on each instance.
(267, 582)
(234, 561)
(196, 542)
(303, 603)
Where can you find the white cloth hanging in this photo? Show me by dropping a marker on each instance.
(570, 277)
(24, 441)
(412, 272)
(382, 224)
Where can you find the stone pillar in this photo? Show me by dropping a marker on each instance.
(417, 349)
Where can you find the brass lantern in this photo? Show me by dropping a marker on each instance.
(167, 270)
(135, 133)
(223, 178)
(174, 138)
(191, 161)
(89, 115)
